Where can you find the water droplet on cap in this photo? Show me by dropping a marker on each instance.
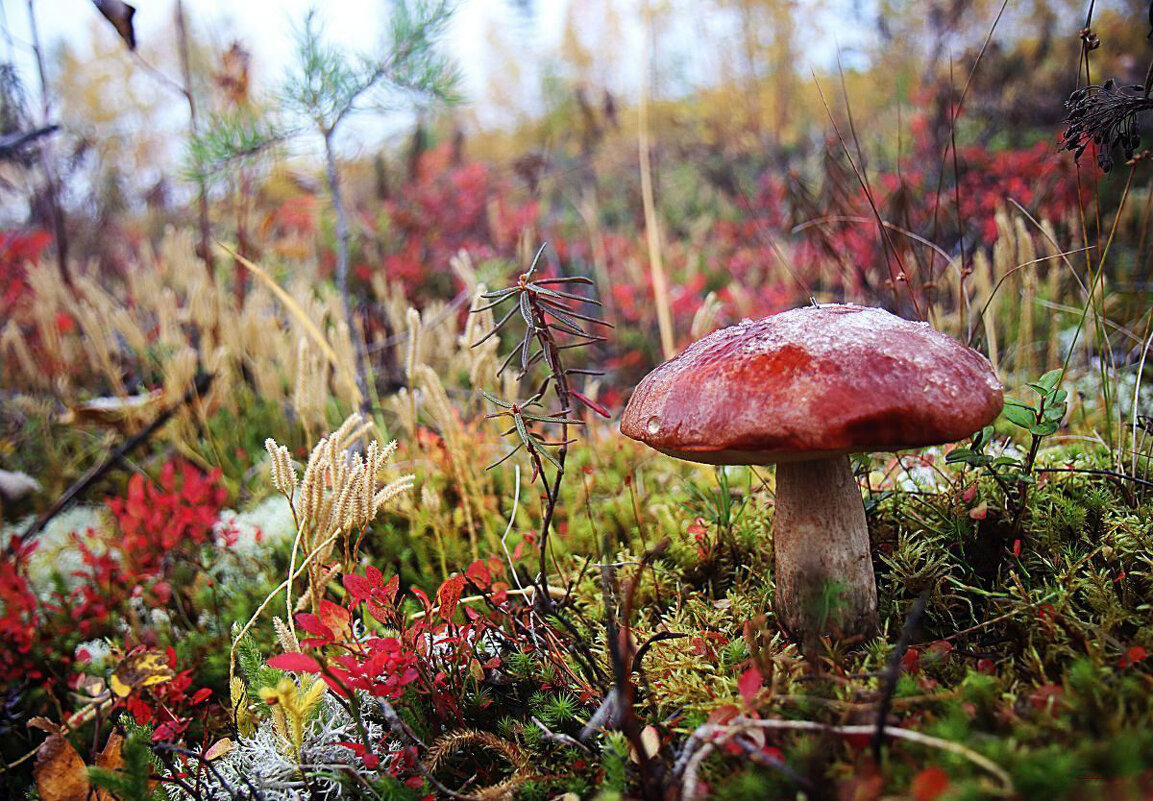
(654, 424)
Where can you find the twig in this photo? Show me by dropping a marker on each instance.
(1092, 472)
(10, 144)
(287, 582)
(998, 618)
(560, 738)
(70, 723)
(401, 729)
(893, 671)
(699, 746)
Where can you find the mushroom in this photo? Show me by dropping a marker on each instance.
(802, 390)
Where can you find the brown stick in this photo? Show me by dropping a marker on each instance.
(204, 249)
(51, 180)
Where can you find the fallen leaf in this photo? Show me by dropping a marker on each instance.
(60, 772)
(44, 724)
(140, 669)
(110, 759)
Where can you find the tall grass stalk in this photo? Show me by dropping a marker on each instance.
(652, 226)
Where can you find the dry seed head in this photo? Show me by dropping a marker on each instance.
(312, 485)
(364, 497)
(372, 459)
(387, 452)
(705, 319)
(462, 265)
(429, 499)
(344, 435)
(283, 471)
(404, 409)
(386, 495)
(413, 324)
(285, 636)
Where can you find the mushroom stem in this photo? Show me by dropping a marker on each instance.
(824, 572)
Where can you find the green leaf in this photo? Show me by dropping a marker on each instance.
(1023, 416)
(982, 438)
(1050, 379)
(544, 452)
(522, 432)
(495, 400)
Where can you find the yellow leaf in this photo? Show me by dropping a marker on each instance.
(312, 696)
(218, 749)
(140, 669)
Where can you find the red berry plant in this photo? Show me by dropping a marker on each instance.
(113, 635)
(475, 688)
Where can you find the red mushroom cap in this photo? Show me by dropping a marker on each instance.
(811, 383)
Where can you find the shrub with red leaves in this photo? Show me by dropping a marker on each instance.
(18, 248)
(435, 655)
(18, 615)
(155, 524)
(157, 519)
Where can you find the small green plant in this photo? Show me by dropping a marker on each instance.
(548, 312)
(1013, 474)
(720, 506)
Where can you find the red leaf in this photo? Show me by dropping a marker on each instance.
(1133, 655)
(311, 623)
(750, 683)
(335, 616)
(358, 586)
(449, 595)
(420, 596)
(940, 649)
(723, 714)
(391, 589)
(592, 404)
(478, 574)
(929, 783)
(296, 662)
(375, 577)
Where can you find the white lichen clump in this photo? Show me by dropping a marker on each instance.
(325, 771)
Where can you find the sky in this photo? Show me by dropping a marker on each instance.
(503, 53)
(267, 27)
